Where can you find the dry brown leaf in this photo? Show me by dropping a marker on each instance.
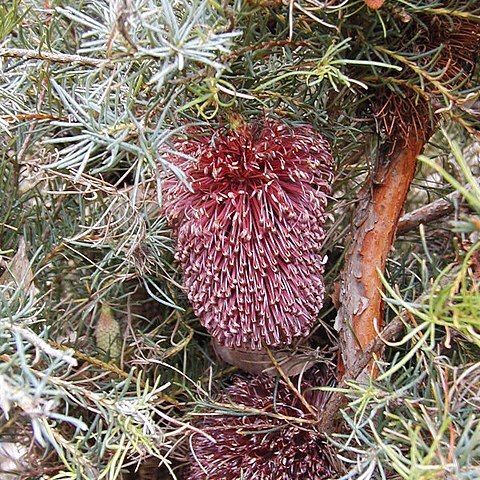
(19, 271)
(258, 361)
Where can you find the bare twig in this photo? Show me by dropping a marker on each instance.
(329, 416)
(30, 116)
(290, 384)
(53, 57)
(428, 213)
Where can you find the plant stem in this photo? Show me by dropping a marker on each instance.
(52, 57)
(428, 213)
(329, 416)
(360, 315)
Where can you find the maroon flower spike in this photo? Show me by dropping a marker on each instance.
(262, 442)
(250, 231)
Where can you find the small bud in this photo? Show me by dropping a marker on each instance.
(108, 335)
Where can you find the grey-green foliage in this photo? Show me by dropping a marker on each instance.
(92, 94)
(66, 413)
(85, 109)
(107, 109)
(114, 106)
(423, 424)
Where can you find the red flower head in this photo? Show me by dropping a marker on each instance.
(270, 434)
(249, 233)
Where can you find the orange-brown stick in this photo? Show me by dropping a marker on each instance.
(361, 312)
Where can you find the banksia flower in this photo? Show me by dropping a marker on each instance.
(249, 233)
(265, 442)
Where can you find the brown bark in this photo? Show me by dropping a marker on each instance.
(428, 213)
(360, 316)
(329, 417)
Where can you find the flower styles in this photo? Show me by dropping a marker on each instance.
(269, 433)
(250, 229)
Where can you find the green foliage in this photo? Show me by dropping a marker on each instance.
(92, 93)
(423, 424)
(10, 17)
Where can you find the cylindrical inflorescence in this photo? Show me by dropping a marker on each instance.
(269, 434)
(250, 229)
